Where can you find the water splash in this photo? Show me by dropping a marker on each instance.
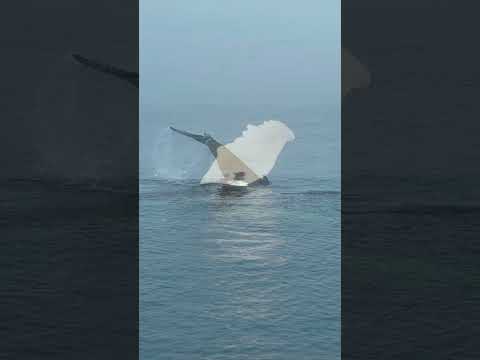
(175, 158)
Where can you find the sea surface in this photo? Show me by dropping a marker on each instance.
(251, 274)
(69, 277)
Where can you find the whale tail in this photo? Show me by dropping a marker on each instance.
(130, 77)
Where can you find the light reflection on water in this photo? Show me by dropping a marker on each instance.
(245, 229)
(239, 275)
(243, 232)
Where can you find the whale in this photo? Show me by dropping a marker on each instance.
(129, 76)
(248, 159)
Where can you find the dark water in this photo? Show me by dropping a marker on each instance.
(244, 275)
(410, 269)
(69, 276)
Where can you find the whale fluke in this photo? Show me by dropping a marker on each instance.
(131, 77)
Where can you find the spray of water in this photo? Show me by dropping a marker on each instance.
(175, 158)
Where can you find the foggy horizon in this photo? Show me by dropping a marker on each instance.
(273, 53)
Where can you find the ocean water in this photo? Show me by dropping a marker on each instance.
(69, 275)
(240, 275)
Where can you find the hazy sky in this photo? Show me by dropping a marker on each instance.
(239, 52)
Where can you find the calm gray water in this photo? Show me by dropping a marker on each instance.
(248, 275)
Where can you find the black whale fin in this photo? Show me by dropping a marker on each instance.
(131, 77)
(211, 143)
(200, 138)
